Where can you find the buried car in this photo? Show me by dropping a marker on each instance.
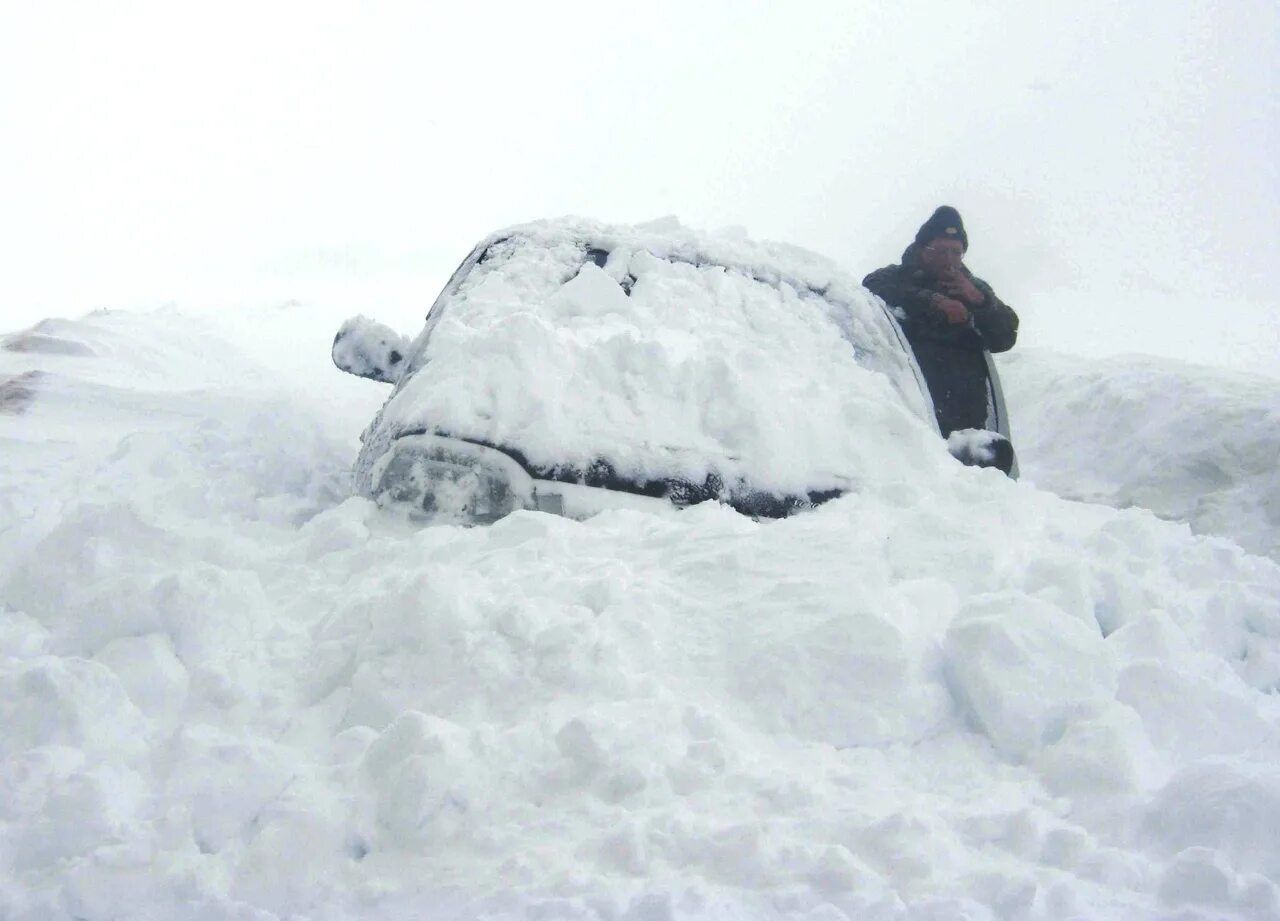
(570, 366)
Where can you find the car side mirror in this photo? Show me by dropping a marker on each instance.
(370, 350)
(982, 448)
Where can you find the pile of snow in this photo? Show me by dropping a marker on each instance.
(1188, 442)
(228, 691)
(676, 358)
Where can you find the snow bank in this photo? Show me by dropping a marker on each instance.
(228, 691)
(1189, 442)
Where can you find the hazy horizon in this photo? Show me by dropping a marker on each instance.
(1116, 169)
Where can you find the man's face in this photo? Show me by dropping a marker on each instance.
(941, 256)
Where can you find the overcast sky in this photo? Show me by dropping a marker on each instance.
(1116, 165)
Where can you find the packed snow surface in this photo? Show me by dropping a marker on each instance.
(228, 690)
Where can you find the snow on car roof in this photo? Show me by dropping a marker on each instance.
(681, 354)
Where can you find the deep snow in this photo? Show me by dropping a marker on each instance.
(230, 691)
(1189, 443)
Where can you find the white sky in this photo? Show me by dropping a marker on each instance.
(1116, 165)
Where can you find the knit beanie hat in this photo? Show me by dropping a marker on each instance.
(944, 223)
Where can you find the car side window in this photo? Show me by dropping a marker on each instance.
(600, 257)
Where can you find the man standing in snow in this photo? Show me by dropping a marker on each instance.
(950, 318)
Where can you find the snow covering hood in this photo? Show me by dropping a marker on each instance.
(665, 352)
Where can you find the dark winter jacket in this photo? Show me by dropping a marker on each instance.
(909, 288)
(950, 355)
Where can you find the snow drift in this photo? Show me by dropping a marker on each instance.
(1189, 443)
(229, 691)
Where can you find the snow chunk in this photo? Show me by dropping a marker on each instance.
(1229, 806)
(154, 678)
(1100, 755)
(21, 636)
(227, 780)
(421, 773)
(1196, 716)
(1198, 876)
(1024, 670)
(851, 679)
(71, 702)
(589, 293)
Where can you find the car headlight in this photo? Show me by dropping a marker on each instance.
(451, 481)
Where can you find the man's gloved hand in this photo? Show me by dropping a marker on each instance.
(955, 311)
(957, 285)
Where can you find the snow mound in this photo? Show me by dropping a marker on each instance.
(230, 691)
(1190, 443)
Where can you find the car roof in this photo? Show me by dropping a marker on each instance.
(769, 262)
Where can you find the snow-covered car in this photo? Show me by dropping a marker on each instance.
(570, 365)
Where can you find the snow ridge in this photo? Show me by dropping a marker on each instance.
(1189, 443)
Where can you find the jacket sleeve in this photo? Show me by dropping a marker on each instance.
(995, 320)
(894, 286)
